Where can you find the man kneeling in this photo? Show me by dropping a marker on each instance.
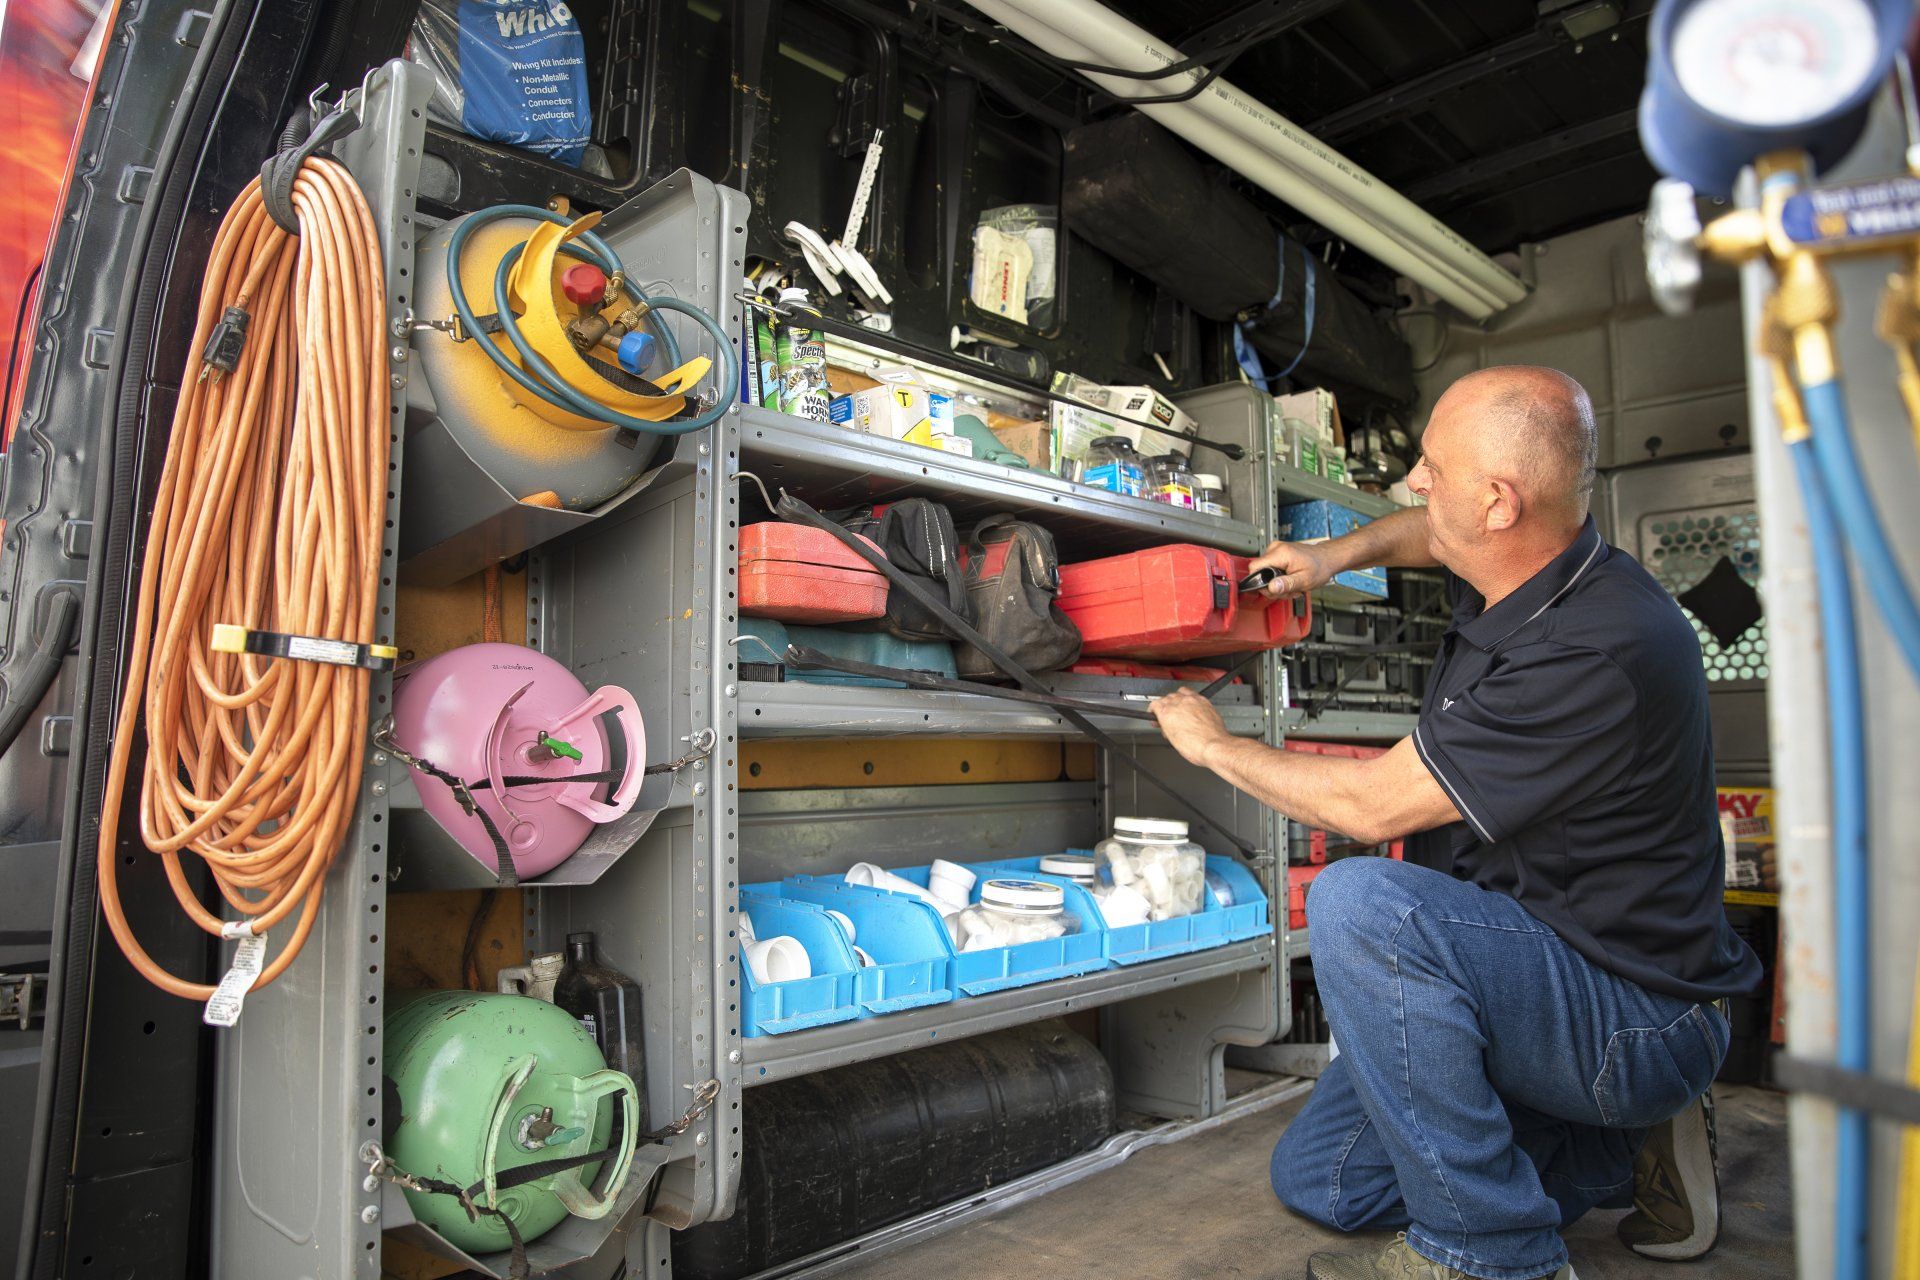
(1530, 994)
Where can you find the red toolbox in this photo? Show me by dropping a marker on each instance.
(1299, 879)
(791, 573)
(1168, 604)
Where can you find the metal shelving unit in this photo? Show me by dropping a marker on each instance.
(770, 1058)
(834, 467)
(1294, 485)
(1349, 726)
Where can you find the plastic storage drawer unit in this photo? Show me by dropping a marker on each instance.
(1169, 604)
(794, 574)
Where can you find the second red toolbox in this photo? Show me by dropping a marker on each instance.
(791, 573)
(1168, 604)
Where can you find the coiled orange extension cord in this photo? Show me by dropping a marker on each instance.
(271, 511)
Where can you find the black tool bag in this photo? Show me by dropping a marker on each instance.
(1015, 604)
(918, 537)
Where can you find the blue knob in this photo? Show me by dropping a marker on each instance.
(636, 352)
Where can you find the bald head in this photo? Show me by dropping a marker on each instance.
(1530, 426)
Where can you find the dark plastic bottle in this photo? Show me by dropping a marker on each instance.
(607, 1002)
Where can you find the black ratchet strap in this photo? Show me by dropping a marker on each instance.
(795, 511)
(799, 655)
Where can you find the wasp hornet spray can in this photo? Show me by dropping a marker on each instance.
(802, 353)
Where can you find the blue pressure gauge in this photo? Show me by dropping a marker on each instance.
(1729, 80)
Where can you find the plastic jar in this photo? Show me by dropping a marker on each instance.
(1210, 495)
(1011, 912)
(1154, 858)
(1082, 870)
(1113, 464)
(1172, 481)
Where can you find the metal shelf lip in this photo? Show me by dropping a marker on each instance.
(770, 1058)
(851, 465)
(796, 709)
(1349, 726)
(1294, 485)
(1296, 944)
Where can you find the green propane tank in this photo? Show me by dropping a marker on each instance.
(487, 1083)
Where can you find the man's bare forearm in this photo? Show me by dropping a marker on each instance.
(1398, 541)
(1320, 791)
(1374, 800)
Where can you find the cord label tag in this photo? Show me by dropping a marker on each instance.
(249, 958)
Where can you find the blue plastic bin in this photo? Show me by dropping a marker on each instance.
(876, 647)
(979, 973)
(829, 996)
(909, 947)
(1211, 926)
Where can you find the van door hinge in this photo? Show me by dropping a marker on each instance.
(23, 999)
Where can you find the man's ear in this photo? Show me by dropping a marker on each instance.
(1501, 506)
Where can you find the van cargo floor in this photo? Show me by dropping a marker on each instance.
(1201, 1208)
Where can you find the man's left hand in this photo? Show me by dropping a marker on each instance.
(1192, 724)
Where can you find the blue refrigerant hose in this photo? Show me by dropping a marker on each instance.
(1859, 519)
(1846, 746)
(549, 385)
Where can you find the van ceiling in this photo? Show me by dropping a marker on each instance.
(1488, 113)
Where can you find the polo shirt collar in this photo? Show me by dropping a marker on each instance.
(1491, 628)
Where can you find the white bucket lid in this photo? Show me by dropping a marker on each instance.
(1149, 828)
(1069, 864)
(1206, 480)
(1023, 895)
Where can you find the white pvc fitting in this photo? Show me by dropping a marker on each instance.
(866, 873)
(950, 882)
(781, 959)
(1123, 906)
(844, 921)
(745, 929)
(866, 961)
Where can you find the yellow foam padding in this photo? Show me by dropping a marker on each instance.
(228, 638)
(544, 329)
(777, 764)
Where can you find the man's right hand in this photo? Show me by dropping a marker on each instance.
(1301, 567)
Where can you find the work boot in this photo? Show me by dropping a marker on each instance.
(1399, 1262)
(1676, 1188)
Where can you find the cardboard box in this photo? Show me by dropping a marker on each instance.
(1141, 404)
(1322, 520)
(1072, 428)
(894, 410)
(1317, 409)
(1031, 440)
(1746, 831)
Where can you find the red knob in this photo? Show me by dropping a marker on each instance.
(584, 284)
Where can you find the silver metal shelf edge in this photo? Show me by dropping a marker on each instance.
(837, 466)
(769, 1058)
(1363, 726)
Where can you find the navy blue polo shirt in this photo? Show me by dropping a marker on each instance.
(1569, 725)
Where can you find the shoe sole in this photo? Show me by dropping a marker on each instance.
(1700, 1183)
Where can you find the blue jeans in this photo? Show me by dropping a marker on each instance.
(1492, 1084)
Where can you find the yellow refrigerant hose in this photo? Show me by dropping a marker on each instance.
(1906, 1241)
(270, 515)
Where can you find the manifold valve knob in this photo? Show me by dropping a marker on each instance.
(584, 284)
(1672, 239)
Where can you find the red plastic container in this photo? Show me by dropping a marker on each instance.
(1298, 881)
(1127, 669)
(795, 574)
(1168, 604)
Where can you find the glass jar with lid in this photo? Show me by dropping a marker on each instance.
(1013, 911)
(1171, 481)
(1210, 496)
(1154, 858)
(1113, 464)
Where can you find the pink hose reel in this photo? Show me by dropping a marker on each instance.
(499, 711)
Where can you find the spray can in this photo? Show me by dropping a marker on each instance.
(766, 361)
(802, 352)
